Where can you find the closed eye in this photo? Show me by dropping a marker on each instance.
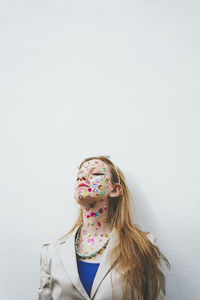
(92, 174)
(98, 174)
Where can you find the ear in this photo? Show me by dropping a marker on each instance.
(116, 191)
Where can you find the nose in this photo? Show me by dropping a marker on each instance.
(83, 176)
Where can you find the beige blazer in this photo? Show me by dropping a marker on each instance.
(59, 278)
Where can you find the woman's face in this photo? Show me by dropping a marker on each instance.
(93, 181)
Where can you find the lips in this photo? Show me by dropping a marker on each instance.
(82, 184)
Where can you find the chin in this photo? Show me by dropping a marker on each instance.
(82, 200)
(87, 201)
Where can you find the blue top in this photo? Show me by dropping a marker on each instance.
(87, 272)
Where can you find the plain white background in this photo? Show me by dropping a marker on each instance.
(82, 78)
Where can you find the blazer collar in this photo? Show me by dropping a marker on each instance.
(67, 252)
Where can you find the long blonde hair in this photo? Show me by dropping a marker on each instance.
(135, 257)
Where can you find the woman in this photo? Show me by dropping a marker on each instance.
(104, 256)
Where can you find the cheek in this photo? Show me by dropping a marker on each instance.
(107, 181)
(99, 184)
(103, 184)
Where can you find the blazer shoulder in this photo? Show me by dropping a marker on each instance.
(65, 238)
(151, 236)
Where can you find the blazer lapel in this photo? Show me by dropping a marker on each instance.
(66, 249)
(104, 266)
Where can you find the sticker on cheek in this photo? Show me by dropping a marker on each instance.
(91, 240)
(102, 193)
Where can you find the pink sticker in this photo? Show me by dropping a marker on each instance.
(90, 240)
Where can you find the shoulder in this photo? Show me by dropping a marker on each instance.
(48, 247)
(54, 242)
(151, 236)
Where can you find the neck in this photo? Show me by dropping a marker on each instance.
(95, 218)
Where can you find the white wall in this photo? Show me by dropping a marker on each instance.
(81, 78)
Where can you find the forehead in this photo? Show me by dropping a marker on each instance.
(94, 164)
